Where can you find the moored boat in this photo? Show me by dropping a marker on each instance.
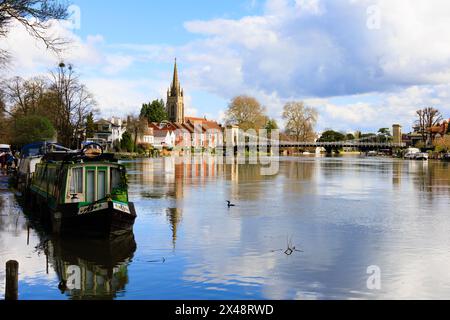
(30, 156)
(410, 153)
(82, 193)
(421, 156)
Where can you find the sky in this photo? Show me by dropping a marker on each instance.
(363, 64)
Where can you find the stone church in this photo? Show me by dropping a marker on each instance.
(175, 99)
(181, 130)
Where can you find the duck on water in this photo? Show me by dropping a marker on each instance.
(77, 192)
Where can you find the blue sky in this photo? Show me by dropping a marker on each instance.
(154, 21)
(363, 64)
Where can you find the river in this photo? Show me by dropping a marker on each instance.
(362, 228)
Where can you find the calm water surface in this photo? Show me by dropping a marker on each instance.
(345, 214)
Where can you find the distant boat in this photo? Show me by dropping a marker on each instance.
(372, 154)
(411, 153)
(5, 148)
(421, 156)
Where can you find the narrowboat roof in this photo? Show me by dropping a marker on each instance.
(39, 149)
(76, 157)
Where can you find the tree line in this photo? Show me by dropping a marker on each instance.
(56, 106)
(248, 113)
(300, 121)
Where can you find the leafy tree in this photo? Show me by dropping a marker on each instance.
(442, 144)
(90, 125)
(369, 137)
(350, 137)
(154, 111)
(246, 112)
(300, 121)
(332, 136)
(271, 125)
(126, 144)
(33, 128)
(384, 134)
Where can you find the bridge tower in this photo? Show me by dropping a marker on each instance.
(397, 133)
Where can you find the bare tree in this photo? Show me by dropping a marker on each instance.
(427, 118)
(2, 107)
(300, 121)
(74, 104)
(24, 96)
(136, 126)
(247, 113)
(3, 110)
(34, 15)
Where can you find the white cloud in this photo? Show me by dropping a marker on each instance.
(30, 56)
(296, 49)
(119, 96)
(116, 63)
(311, 48)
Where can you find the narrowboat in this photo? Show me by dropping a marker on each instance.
(82, 192)
(30, 156)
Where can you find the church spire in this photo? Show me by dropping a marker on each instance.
(175, 97)
(175, 82)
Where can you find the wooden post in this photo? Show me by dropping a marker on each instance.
(12, 280)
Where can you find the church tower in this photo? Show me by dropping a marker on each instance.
(175, 99)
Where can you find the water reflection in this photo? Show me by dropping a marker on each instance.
(345, 214)
(51, 267)
(174, 217)
(91, 269)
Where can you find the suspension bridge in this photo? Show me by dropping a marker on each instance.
(366, 143)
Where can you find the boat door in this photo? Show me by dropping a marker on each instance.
(90, 184)
(96, 183)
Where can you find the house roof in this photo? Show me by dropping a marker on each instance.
(160, 133)
(190, 126)
(103, 121)
(205, 123)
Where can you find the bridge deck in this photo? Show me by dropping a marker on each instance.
(286, 144)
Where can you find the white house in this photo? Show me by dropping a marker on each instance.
(164, 138)
(109, 132)
(118, 128)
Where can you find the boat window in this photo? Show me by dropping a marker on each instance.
(90, 184)
(76, 183)
(115, 178)
(101, 193)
